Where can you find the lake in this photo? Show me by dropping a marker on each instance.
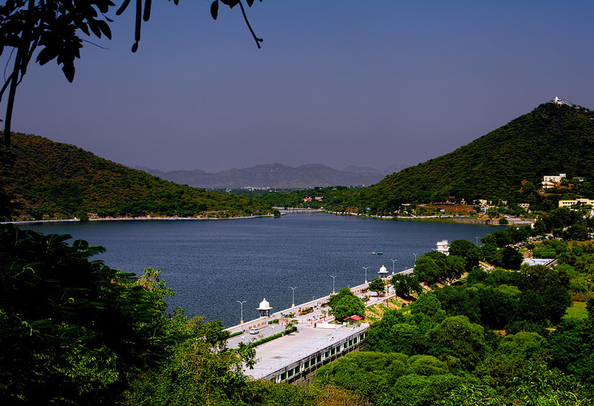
(213, 264)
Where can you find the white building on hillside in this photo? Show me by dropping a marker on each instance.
(551, 181)
(443, 246)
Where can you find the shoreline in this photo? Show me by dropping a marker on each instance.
(437, 219)
(441, 219)
(76, 220)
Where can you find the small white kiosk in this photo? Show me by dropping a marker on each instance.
(264, 308)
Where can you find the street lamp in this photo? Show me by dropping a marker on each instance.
(415, 256)
(293, 288)
(365, 267)
(241, 311)
(476, 238)
(393, 262)
(333, 280)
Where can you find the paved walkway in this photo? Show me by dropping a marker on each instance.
(307, 340)
(314, 332)
(319, 315)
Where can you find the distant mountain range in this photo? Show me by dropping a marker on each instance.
(275, 176)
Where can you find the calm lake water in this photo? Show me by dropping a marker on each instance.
(213, 264)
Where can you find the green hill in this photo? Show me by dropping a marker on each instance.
(549, 140)
(45, 179)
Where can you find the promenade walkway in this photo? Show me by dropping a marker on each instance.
(296, 355)
(316, 341)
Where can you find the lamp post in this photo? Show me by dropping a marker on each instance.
(393, 262)
(293, 289)
(415, 256)
(333, 280)
(365, 267)
(476, 238)
(241, 310)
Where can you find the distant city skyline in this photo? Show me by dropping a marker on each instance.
(338, 83)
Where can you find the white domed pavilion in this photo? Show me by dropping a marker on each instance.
(383, 272)
(264, 308)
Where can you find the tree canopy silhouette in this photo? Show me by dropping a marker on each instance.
(51, 29)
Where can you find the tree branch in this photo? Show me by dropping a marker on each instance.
(258, 40)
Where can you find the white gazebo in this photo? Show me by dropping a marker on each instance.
(383, 272)
(264, 308)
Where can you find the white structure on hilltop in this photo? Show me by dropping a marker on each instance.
(443, 246)
(560, 102)
(264, 308)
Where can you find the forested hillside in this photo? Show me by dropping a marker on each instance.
(45, 179)
(551, 139)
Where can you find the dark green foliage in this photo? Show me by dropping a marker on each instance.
(345, 304)
(458, 337)
(511, 360)
(377, 285)
(572, 347)
(429, 305)
(524, 363)
(490, 306)
(508, 258)
(419, 390)
(406, 285)
(541, 142)
(55, 180)
(427, 269)
(74, 329)
(467, 250)
(433, 267)
(576, 232)
(367, 373)
(499, 238)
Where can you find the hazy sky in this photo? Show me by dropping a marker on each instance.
(367, 83)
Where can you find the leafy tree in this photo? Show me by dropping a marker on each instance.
(74, 330)
(511, 361)
(434, 266)
(577, 232)
(377, 285)
(508, 258)
(345, 304)
(454, 267)
(419, 390)
(458, 337)
(212, 332)
(543, 385)
(369, 373)
(499, 238)
(406, 285)
(492, 212)
(427, 269)
(467, 250)
(488, 252)
(429, 305)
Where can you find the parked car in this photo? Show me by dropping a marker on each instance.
(254, 331)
